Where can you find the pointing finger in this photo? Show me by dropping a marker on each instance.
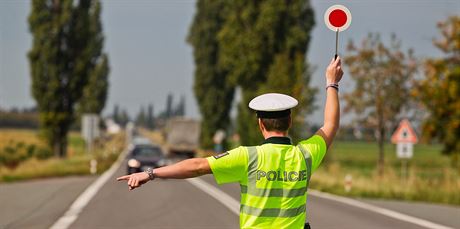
(123, 178)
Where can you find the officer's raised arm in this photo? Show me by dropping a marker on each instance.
(332, 108)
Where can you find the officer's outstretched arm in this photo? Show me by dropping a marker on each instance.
(332, 108)
(185, 169)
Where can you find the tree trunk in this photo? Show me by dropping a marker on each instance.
(56, 148)
(63, 146)
(60, 145)
(381, 130)
(381, 142)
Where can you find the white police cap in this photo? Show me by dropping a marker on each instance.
(273, 105)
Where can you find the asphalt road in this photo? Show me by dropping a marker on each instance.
(179, 204)
(38, 204)
(158, 204)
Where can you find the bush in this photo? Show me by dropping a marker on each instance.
(75, 164)
(42, 153)
(16, 152)
(12, 154)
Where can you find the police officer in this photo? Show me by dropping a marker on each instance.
(274, 176)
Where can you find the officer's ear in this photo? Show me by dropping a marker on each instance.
(261, 125)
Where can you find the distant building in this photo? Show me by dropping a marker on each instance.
(112, 126)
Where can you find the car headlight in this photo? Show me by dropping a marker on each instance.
(133, 163)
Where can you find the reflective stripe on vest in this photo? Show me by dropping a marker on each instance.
(273, 212)
(307, 157)
(274, 192)
(252, 190)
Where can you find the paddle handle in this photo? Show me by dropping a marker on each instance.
(336, 42)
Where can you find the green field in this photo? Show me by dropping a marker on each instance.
(77, 161)
(429, 176)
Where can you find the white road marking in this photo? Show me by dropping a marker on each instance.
(228, 201)
(233, 205)
(382, 211)
(77, 206)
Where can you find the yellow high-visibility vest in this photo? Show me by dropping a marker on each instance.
(274, 179)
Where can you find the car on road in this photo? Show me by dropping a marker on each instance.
(143, 156)
(137, 140)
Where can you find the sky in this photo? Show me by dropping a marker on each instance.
(149, 56)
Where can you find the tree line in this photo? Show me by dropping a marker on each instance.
(392, 84)
(256, 46)
(26, 118)
(251, 46)
(260, 46)
(147, 118)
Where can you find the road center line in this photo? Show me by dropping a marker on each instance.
(83, 199)
(383, 211)
(228, 201)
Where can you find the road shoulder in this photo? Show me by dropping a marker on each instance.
(436, 213)
(442, 214)
(39, 203)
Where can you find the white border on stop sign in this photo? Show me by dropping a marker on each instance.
(337, 7)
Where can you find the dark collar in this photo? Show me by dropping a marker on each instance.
(278, 140)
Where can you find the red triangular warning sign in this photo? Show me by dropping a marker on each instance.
(404, 133)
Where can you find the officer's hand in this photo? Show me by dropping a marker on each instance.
(334, 71)
(135, 180)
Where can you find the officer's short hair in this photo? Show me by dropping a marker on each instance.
(277, 124)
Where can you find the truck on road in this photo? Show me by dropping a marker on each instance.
(182, 137)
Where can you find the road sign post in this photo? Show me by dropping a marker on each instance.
(90, 129)
(404, 137)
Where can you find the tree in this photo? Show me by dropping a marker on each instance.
(169, 106)
(116, 114)
(64, 55)
(439, 91)
(180, 109)
(213, 94)
(124, 118)
(383, 77)
(95, 91)
(150, 117)
(262, 48)
(141, 118)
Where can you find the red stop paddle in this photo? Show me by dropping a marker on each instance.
(337, 18)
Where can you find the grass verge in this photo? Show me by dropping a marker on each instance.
(429, 176)
(77, 161)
